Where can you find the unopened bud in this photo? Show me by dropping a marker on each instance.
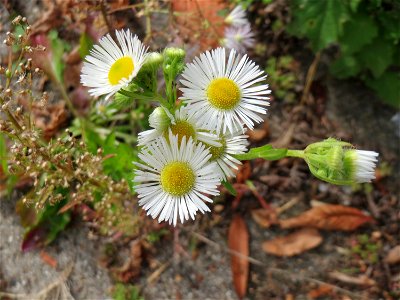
(339, 163)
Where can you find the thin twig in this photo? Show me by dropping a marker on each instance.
(310, 78)
(103, 9)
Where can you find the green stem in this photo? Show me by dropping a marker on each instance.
(295, 153)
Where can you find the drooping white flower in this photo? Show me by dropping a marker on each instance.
(224, 93)
(237, 17)
(110, 67)
(363, 164)
(181, 125)
(175, 179)
(239, 38)
(231, 144)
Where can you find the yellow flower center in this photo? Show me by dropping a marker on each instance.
(177, 178)
(223, 93)
(216, 152)
(121, 68)
(181, 128)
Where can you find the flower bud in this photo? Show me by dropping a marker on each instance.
(160, 118)
(174, 62)
(152, 62)
(339, 163)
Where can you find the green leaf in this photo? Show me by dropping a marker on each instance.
(354, 5)
(377, 56)
(266, 152)
(387, 87)
(85, 44)
(43, 226)
(3, 154)
(229, 187)
(358, 32)
(320, 21)
(344, 67)
(58, 48)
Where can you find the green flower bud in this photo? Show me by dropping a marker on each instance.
(160, 119)
(153, 61)
(339, 163)
(174, 62)
(174, 53)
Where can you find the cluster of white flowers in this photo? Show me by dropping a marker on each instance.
(238, 34)
(190, 148)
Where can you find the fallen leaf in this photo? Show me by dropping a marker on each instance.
(294, 243)
(329, 217)
(263, 217)
(359, 280)
(238, 240)
(322, 290)
(48, 259)
(393, 257)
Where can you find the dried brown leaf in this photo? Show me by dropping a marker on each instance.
(294, 243)
(393, 257)
(322, 290)
(238, 241)
(329, 217)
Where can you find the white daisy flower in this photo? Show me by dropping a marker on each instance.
(181, 125)
(110, 67)
(239, 38)
(231, 144)
(362, 164)
(237, 17)
(175, 179)
(224, 94)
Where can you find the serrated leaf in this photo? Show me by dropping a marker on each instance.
(377, 56)
(357, 33)
(320, 21)
(387, 87)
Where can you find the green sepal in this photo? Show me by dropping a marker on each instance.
(229, 187)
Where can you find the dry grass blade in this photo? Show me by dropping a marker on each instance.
(362, 280)
(56, 290)
(238, 240)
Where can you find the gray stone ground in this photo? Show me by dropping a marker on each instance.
(26, 273)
